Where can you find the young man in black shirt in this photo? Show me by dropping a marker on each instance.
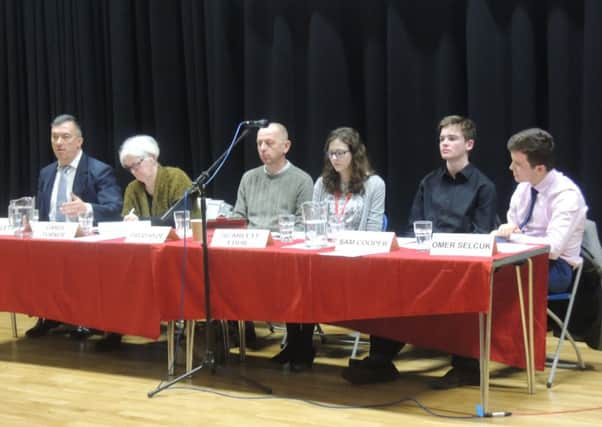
(457, 198)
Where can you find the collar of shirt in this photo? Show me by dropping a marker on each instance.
(285, 167)
(463, 175)
(74, 163)
(548, 183)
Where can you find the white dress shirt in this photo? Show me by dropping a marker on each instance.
(558, 217)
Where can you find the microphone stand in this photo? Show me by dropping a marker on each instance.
(199, 186)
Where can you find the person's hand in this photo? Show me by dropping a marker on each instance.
(73, 208)
(505, 230)
(130, 217)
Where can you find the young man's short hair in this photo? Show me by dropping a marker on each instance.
(468, 127)
(536, 144)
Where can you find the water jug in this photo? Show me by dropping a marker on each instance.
(314, 221)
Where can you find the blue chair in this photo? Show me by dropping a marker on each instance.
(553, 360)
(592, 252)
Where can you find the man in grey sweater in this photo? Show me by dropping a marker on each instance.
(277, 187)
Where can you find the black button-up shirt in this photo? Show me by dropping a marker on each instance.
(464, 204)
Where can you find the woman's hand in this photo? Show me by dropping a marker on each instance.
(131, 216)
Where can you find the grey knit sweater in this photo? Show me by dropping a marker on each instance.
(262, 197)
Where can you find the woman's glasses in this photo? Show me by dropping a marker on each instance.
(135, 165)
(337, 154)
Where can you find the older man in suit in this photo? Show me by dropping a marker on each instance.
(74, 184)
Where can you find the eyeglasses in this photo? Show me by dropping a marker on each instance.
(337, 154)
(135, 165)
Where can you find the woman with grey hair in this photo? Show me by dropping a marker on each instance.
(151, 194)
(156, 187)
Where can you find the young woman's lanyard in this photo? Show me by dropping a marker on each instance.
(336, 204)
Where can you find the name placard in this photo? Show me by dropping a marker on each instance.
(54, 230)
(150, 235)
(366, 241)
(121, 228)
(461, 244)
(5, 228)
(240, 238)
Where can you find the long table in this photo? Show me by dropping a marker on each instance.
(432, 301)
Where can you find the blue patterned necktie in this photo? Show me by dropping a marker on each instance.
(530, 210)
(61, 195)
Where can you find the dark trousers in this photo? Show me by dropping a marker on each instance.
(384, 349)
(560, 276)
(299, 336)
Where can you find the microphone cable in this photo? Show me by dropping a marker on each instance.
(378, 405)
(228, 151)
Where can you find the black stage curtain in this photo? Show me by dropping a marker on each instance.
(188, 71)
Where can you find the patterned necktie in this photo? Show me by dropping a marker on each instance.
(61, 194)
(530, 210)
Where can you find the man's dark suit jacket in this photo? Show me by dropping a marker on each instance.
(94, 183)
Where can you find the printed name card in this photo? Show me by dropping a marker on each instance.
(121, 228)
(54, 230)
(150, 235)
(240, 238)
(366, 241)
(463, 244)
(5, 228)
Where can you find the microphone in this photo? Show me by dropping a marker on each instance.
(261, 123)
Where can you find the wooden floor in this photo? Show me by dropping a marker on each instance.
(53, 381)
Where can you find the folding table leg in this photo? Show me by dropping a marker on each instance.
(189, 344)
(13, 324)
(527, 330)
(170, 346)
(485, 349)
(531, 333)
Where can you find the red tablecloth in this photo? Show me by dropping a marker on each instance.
(129, 288)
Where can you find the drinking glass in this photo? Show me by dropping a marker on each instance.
(85, 220)
(336, 224)
(286, 226)
(423, 230)
(21, 211)
(181, 221)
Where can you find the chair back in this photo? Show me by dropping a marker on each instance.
(587, 299)
(586, 320)
(591, 250)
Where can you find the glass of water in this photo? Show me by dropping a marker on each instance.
(11, 214)
(286, 226)
(423, 230)
(85, 220)
(336, 224)
(181, 221)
